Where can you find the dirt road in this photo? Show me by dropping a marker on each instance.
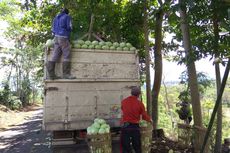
(28, 137)
(24, 137)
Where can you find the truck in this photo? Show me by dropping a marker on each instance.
(103, 79)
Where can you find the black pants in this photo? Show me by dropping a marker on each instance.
(131, 135)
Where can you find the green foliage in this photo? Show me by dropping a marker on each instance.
(8, 99)
(203, 83)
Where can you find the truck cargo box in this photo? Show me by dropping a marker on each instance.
(104, 78)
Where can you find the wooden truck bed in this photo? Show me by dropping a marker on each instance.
(104, 78)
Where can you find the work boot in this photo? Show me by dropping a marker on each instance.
(51, 70)
(66, 71)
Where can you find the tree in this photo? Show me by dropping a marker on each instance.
(195, 99)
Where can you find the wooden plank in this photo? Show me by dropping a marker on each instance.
(102, 71)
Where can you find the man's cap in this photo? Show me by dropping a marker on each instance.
(135, 91)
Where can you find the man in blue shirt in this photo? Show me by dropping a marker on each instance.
(61, 29)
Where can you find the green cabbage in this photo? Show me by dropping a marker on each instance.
(115, 44)
(119, 48)
(84, 46)
(101, 131)
(95, 42)
(143, 123)
(128, 45)
(98, 47)
(81, 42)
(108, 43)
(91, 47)
(122, 44)
(102, 43)
(126, 48)
(132, 49)
(105, 47)
(112, 48)
(96, 125)
(88, 42)
(77, 46)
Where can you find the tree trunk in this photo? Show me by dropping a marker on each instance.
(158, 66)
(217, 148)
(147, 59)
(91, 26)
(195, 98)
(168, 104)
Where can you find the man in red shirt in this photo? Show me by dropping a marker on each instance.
(132, 111)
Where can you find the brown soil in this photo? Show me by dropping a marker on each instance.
(9, 118)
(165, 145)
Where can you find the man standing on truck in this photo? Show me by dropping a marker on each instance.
(132, 111)
(61, 29)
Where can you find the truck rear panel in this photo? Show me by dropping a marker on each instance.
(104, 78)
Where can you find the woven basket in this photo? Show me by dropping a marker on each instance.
(184, 134)
(146, 138)
(99, 143)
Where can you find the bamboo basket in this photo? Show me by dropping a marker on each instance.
(100, 143)
(146, 138)
(184, 134)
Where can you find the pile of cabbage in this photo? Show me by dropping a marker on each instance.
(98, 127)
(80, 44)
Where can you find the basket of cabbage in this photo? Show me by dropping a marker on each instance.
(146, 136)
(99, 137)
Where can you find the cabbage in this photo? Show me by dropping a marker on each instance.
(89, 130)
(104, 126)
(91, 47)
(126, 48)
(84, 46)
(119, 48)
(102, 43)
(81, 42)
(77, 46)
(170, 151)
(105, 47)
(95, 42)
(143, 123)
(115, 44)
(128, 45)
(96, 120)
(112, 48)
(132, 49)
(98, 47)
(122, 44)
(96, 125)
(108, 43)
(101, 121)
(107, 130)
(88, 42)
(49, 43)
(101, 131)
(94, 130)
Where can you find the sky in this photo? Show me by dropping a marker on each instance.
(172, 71)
